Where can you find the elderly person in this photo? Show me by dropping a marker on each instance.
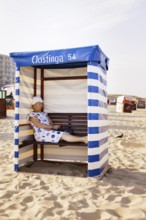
(44, 130)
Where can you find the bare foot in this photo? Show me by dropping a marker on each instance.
(86, 140)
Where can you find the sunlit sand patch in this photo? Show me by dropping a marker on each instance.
(53, 195)
(133, 144)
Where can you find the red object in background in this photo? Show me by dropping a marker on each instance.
(127, 102)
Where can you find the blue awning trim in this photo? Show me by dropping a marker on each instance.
(71, 55)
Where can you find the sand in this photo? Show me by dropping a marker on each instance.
(65, 193)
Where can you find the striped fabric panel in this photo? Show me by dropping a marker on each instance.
(26, 94)
(96, 137)
(98, 96)
(25, 155)
(95, 109)
(16, 123)
(25, 133)
(96, 116)
(97, 120)
(98, 171)
(101, 79)
(97, 143)
(92, 102)
(97, 130)
(98, 157)
(23, 96)
(93, 67)
(98, 150)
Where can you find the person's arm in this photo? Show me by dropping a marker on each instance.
(55, 127)
(50, 121)
(38, 124)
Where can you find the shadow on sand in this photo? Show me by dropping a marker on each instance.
(55, 168)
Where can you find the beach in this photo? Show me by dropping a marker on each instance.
(65, 193)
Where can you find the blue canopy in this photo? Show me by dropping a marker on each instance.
(64, 56)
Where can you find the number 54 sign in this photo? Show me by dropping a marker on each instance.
(71, 56)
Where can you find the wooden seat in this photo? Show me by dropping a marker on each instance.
(76, 121)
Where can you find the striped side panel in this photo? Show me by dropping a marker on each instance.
(16, 122)
(23, 96)
(27, 92)
(97, 120)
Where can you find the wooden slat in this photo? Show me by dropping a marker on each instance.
(64, 78)
(24, 124)
(77, 121)
(35, 78)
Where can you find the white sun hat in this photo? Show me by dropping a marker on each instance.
(36, 99)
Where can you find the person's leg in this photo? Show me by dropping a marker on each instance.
(72, 138)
